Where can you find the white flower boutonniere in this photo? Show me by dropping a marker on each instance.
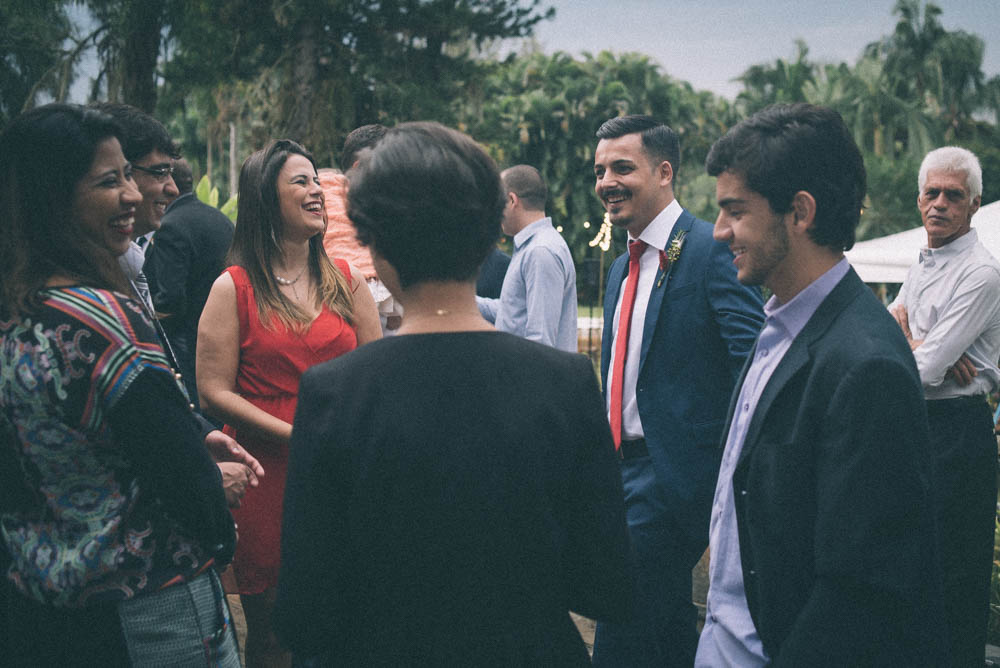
(669, 256)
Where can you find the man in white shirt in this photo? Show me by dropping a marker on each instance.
(538, 297)
(949, 309)
(678, 326)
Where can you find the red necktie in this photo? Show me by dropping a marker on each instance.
(635, 249)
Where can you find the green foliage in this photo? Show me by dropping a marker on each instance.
(206, 192)
(32, 33)
(209, 194)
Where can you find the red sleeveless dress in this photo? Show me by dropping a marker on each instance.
(271, 363)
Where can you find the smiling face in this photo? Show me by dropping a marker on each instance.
(756, 235)
(945, 206)
(157, 191)
(106, 198)
(300, 198)
(632, 189)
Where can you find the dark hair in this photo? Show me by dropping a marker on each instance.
(44, 153)
(787, 148)
(359, 139)
(183, 178)
(141, 134)
(429, 200)
(527, 183)
(658, 140)
(258, 235)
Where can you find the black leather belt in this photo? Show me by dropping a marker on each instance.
(633, 449)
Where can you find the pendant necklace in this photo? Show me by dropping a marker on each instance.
(291, 282)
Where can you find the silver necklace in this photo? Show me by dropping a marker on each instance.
(285, 281)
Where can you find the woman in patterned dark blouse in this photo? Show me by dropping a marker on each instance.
(112, 513)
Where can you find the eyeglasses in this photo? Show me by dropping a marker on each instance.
(160, 172)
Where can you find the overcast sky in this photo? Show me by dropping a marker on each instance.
(710, 43)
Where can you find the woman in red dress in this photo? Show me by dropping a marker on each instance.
(281, 307)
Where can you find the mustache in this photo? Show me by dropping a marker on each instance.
(623, 192)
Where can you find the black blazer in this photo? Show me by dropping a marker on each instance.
(832, 494)
(449, 498)
(185, 257)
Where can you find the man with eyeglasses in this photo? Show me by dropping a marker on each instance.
(149, 147)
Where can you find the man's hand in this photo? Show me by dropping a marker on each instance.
(899, 313)
(224, 448)
(963, 371)
(236, 478)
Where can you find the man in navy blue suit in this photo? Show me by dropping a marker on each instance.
(667, 372)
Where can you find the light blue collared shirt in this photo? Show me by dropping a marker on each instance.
(730, 637)
(538, 297)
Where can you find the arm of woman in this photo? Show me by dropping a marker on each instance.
(217, 362)
(160, 435)
(366, 319)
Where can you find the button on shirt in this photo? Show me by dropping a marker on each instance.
(656, 235)
(952, 300)
(538, 297)
(730, 637)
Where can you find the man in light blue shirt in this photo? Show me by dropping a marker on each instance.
(822, 535)
(538, 298)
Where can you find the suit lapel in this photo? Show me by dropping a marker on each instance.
(799, 353)
(660, 284)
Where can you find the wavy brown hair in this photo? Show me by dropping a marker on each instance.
(258, 236)
(43, 155)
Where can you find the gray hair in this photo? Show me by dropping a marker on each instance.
(954, 159)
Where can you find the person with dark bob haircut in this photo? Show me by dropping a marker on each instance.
(769, 150)
(464, 208)
(112, 512)
(423, 525)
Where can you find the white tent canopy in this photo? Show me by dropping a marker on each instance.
(887, 259)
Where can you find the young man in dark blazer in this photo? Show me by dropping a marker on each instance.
(822, 533)
(185, 257)
(667, 373)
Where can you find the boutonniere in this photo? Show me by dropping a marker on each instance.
(669, 256)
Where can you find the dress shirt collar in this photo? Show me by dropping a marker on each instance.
(930, 256)
(794, 315)
(657, 233)
(530, 230)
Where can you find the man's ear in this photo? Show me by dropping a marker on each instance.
(665, 172)
(804, 209)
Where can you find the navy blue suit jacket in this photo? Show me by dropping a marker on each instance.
(700, 325)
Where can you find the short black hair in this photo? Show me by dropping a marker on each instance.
(141, 133)
(787, 148)
(428, 200)
(359, 139)
(527, 183)
(658, 140)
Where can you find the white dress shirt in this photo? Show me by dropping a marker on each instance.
(656, 235)
(952, 300)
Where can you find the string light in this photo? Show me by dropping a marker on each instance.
(603, 238)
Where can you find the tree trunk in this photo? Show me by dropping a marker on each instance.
(233, 160)
(304, 81)
(140, 51)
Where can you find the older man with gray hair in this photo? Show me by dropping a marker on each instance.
(949, 309)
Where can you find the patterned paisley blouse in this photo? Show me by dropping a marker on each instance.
(86, 528)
